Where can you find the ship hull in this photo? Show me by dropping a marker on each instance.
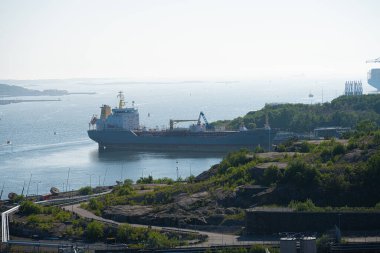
(182, 141)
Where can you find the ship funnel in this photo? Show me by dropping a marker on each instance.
(105, 112)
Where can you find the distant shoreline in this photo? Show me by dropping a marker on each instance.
(81, 93)
(14, 101)
(18, 91)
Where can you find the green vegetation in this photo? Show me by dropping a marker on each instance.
(309, 206)
(323, 244)
(44, 220)
(87, 190)
(257, 248)
(345, 111)
(41, 217)
(328, 174)
(150, 180)
(28, 207)
(95, 231)
(148, 238)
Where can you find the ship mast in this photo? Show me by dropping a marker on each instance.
(121, 101)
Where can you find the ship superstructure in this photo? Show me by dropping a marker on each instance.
(120, 128)
(122, 118)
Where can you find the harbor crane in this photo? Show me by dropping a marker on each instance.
(377, 60)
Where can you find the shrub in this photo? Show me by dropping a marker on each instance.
(338, 149)
(305, 147)
(259, 149)
(308, 205)
(123, 232)
(257, 249)
(96, 206)
(28, 207)
(271, 175)
(323, 244)
(157, 240)
(94, 231)
(281, 148)
(87, 190)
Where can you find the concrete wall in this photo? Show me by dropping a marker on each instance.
(269, 222)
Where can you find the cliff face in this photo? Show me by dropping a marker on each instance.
(272, 220)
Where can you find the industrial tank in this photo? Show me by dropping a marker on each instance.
(308, 245)
(288, 245)
(374, 78)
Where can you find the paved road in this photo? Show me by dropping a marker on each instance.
(213, 238)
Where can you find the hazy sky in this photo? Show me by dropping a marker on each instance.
(179, 39)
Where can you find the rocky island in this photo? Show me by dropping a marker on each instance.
(17, 91)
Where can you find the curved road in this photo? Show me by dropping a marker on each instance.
(213, 238)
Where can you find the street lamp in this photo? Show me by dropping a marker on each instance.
(142, 172)
(90, 174)
(37, 182)
(177, 169)
(339, 220)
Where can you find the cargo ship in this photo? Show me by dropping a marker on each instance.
(119, 128)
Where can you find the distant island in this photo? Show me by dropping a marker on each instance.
(18, 91)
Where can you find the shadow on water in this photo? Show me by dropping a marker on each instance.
(131, 155)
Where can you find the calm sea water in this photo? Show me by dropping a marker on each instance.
(50, 138)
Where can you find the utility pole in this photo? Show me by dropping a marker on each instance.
(67, 181)
(38, 182)
(30, 179)
(177, 170)
(105, 174)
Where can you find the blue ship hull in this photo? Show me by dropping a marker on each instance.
(182, 140)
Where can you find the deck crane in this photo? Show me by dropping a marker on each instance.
(172, 122)
(201, 114)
